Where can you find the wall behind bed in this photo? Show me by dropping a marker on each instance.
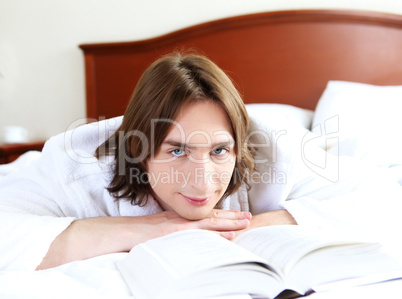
(41, 67)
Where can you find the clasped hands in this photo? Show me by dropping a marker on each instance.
(228, 224)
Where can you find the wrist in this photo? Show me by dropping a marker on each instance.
(278, 217)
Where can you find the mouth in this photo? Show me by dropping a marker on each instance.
(195, 201)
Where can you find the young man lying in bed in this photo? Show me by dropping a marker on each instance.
(185, 155)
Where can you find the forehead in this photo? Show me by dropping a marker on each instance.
(201, 121)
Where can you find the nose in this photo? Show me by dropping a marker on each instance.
(201, 172)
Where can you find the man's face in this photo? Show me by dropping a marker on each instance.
(192, 170)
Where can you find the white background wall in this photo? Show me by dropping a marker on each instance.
(42, 83)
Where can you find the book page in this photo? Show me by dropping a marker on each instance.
(284, 245)
(309, 259)
(189, 255)
(223, 281)
(140, 272)
(199, 248)
(347, 265)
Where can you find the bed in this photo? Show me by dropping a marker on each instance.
(306, 65)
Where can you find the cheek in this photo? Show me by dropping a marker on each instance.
(155, 171)
(159, 183)
(224, 172)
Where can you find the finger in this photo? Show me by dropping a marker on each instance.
(238, 233)
(219, 224)
(224, 214)
(228, 235)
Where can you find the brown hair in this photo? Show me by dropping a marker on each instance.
(167, 85)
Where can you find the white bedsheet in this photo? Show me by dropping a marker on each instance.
(92, 278)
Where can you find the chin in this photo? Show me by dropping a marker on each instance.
(195, 215)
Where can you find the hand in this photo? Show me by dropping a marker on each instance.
(223, 222)
(279, 217)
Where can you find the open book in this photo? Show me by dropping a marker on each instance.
(269, 262)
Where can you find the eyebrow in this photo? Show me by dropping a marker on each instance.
(184, 145)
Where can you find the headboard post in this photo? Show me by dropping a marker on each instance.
(90, 79)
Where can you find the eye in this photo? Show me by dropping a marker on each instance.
(219, 151)
(179, 152)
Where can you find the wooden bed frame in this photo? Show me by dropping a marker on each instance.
(278, 57)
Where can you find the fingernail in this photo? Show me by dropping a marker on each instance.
(247, 215)
(245, 221)
(228, 235)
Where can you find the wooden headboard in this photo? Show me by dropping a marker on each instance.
(278, 57)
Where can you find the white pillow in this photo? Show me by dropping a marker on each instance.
(287, 155)
(276, 130)
(288, 112)
(362, 121)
